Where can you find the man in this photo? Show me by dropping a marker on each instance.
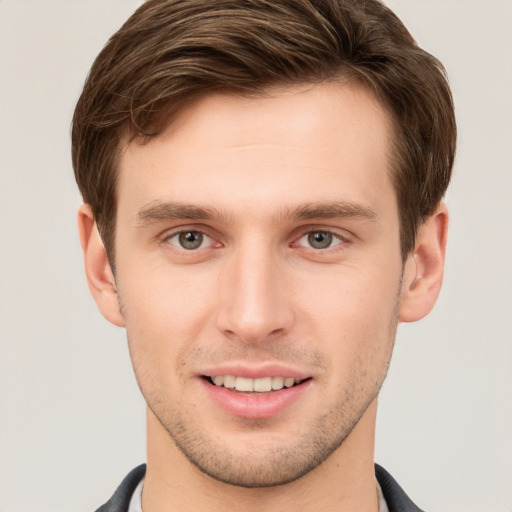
(262, 187)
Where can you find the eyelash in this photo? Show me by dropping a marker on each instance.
(168, 237)
(341, 240)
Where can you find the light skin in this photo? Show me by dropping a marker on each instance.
(260, 238)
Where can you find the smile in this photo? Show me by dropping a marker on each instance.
(260, 385)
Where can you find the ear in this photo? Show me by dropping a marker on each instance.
(97, 268)
(424, 268)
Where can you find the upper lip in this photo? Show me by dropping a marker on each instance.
(255, 371)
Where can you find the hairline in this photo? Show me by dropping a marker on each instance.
(127, 135)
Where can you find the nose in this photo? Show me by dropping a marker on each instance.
(255, 297)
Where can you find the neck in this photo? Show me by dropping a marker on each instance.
(344, 482)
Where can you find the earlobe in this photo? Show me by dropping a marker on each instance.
(424, 268)
(97, 268)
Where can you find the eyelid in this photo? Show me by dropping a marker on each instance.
(171, 233)
(342, 235)
(204, 240)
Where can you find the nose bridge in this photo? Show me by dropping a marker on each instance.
(253, 305)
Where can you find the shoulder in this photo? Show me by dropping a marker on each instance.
(394, 495)
(121, 498)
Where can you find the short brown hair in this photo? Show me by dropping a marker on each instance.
(172, 51)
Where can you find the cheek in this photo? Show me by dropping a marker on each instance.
(165, 313)
(348, 295)
(354, 313)
(167, 299)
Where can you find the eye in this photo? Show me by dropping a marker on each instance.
(320, 240)
(189, 240)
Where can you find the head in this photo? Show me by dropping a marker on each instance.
(172, 52)
(266, 178)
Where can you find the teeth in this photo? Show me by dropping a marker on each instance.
(229, 381)
(261, 385)
(218, 381)
(277, 382)
(243, 384)
(288, 383)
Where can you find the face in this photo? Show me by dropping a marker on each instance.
(259, 272)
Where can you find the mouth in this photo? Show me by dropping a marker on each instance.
(260, 385)
(264, 394)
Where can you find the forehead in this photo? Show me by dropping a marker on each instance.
(292, 145)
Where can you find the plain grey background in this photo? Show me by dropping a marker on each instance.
(71, 418)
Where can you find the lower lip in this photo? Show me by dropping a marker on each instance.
(263, 405)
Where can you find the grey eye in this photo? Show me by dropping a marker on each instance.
(190, 240)
(320, 239)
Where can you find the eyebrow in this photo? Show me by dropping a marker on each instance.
(156, 212)
(332, 210)
(174, 210)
